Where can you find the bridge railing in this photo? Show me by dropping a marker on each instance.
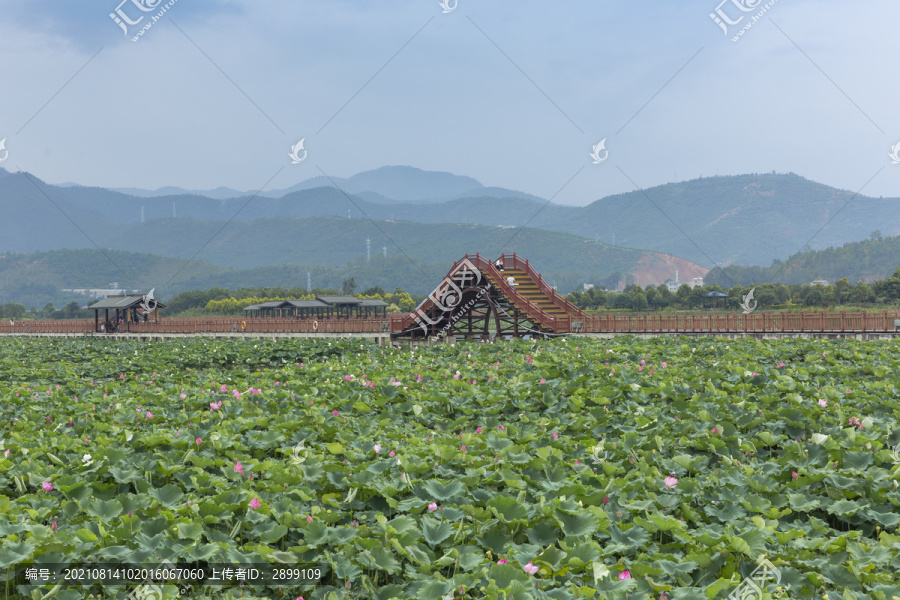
(516, 262)
(762, 322)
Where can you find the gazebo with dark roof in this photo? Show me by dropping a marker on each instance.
(273, 306)
(716, 296)
(343, 306)
(308, 309)
(373, 305)
(128, 310)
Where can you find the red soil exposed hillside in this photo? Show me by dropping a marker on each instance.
(655, 269)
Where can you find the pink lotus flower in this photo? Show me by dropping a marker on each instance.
(500, 427)
(605, 499)
(183, 396)
(432, 507)
(529, 359)
(199, 441)
(823, 403)
(149, 415)
(624, 575)
(6, 454)
(224, 388)
(54, 526)
(47, 486)
(335, 413)
(348, 377)
(715, 429)
(554, 435)
(239, 469)
(391, 454)
(530, 568)
(502, 561)
(309, 518)
(854, 421)
(671, 482)
(377, 448)
(478, 430)
(794, 475)
(236, 394)
(463, 448)
(642, 362)
(255, 503)
(542, 381)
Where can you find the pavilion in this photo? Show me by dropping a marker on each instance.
(128, 309)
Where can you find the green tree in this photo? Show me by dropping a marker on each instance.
(664, 297)
(782, 294)
(841, 290)
(638, 300)
(815, 297)
(13, 310)
(621, 301)
(684, 294)
(765, 297)
(697, 297)
(861, 293)
(652, 296)
(348, 286)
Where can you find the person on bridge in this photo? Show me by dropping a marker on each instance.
(499, 264)
(512, 282)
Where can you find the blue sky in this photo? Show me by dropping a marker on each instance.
(514, 94)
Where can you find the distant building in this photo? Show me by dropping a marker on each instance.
(588, 286)
(673, 285)
(696, 282)
(819, 282)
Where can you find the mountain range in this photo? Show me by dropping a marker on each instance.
(433, 218)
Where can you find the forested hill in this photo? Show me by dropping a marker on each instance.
(869, 260)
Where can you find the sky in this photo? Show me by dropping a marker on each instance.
(515, 94)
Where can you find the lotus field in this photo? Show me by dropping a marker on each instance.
(662, 469)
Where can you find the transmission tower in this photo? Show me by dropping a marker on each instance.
(368, 250)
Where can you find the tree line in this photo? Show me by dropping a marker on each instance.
(766, 295)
